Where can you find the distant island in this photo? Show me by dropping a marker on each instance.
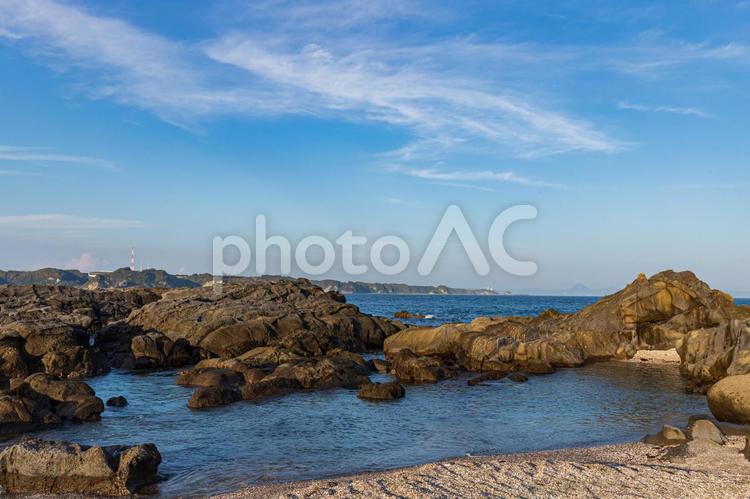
(154, 278)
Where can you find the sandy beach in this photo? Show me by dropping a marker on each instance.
(656, 356)
(627, 470)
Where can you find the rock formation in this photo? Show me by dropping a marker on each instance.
(50, 328)
(294, 315)
(43, 400)
(667, 310)
(38, 466)
(381, 391)
(232, 380)
(729, 399)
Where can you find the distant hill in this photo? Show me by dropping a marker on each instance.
(44, 276)
(396, 288)
(153, 278)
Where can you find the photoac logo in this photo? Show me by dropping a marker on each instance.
(342, 249)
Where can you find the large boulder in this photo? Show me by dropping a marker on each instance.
(729, 399)
(38, 466)
(42, 400)
(205, 397)
(294, 315)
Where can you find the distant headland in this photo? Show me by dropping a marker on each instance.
(154, 278)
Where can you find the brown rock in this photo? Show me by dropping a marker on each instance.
(518, 377)
(381, 391)
(118, 401)
(670, 309)
(378, 365)
(729, 399)
(292, 314)
(669, 435)
(205, 397)
(156, 350)
(410, 368)
(58, 389)
(37, 466)
(703, 429)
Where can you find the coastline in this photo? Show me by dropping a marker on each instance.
(622, 470)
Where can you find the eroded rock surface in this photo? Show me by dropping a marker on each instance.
(38, 466)
(50, 328)
(667, 310)
(293, 315)
(42, 400)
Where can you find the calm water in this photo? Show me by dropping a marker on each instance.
(318, 434)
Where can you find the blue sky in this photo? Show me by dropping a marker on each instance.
(164, 124)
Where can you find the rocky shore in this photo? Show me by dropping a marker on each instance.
(254, 339)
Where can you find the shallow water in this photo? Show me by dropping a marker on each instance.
(318, 434)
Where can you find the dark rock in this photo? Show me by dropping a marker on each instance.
(266, 388)
(292, 314)
(490, 376)
(211, 378)
(381, 391)
(410, 368)
(205, 397)
(13, 359)
(118, 401)
(42, 400)
(518, 377)
(58, 389)
(38, 466)
(75, 362)
(82, 410)
(156, 350)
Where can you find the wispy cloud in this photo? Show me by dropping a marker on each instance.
(687, 111)
(41, 155)
(417, 86)
(60, 222)
(466, 176)
(325, 59)
(400, 202)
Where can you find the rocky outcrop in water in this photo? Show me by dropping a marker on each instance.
(236, 380)
(293, 315)
(38, 466)
(667, 310)
(50, 328)
(381, 391)
(43, 400)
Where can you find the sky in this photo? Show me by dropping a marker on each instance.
(162, 125)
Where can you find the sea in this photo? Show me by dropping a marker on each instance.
(320, 434)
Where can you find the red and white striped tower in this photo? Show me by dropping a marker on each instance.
(132, 258)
